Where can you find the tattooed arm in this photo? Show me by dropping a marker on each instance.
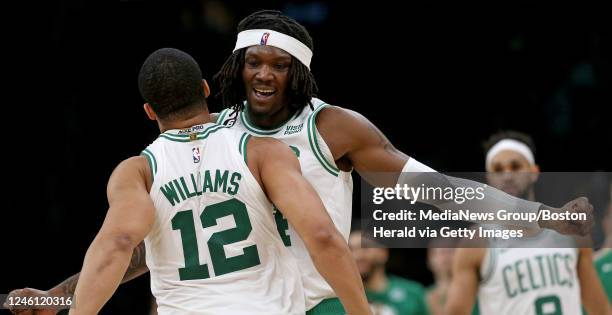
(136, 268)
(356, 143)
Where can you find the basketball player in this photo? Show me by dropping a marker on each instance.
(199, 198)
(440, 261)
(603, 258)
(268, 85)
(387, 294)
(529, 280)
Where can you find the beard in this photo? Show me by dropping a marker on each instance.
(525, 193)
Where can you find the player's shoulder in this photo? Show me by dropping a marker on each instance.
(337, 120)
(326, 111)
(133, 163)
(266, 145)
(470, 254)
(338, 117)
(268, 153)
(135, 168)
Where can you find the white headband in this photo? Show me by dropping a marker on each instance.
(513, 145)
(279, 40)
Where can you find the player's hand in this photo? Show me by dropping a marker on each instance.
(572, 227)
(28, 292)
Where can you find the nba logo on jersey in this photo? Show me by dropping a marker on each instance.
(264, 39)
(196, 155)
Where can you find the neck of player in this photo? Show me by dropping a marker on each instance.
(269, 120)
(202, 117)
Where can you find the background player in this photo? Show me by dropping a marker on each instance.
(603, 258)
(530, 280)
(387, 294)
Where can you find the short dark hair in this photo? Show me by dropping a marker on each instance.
(302, 85)
(170, 80)
(509, 134)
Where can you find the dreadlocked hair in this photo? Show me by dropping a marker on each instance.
(302, 85)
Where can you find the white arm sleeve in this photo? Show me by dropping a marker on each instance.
(415, 174)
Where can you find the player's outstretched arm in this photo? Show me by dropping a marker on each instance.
(67, 287)
(136, 268)
(592, 293)
(357, 143)
(129, 219)
(464, 285)
(279, 172)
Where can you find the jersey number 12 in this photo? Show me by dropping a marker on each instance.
(221, 264)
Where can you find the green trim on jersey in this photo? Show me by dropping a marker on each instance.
(266, 132)
(222, 116)
(187, 137)
(152, 162)
(242, 145)
(253, 129)
(314, 143)
(331, 306)
(401, 295)
(488, 274)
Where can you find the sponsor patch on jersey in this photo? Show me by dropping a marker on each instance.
(191, 129)
(196, 155)
(293, 129)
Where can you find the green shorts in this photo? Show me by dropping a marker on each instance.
(330, 306)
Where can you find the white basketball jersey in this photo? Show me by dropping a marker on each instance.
(214, 247)
(531, 280)
(335, 187)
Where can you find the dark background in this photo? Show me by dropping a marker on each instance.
(436, 78)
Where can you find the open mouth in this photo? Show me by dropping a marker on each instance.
(263, 93)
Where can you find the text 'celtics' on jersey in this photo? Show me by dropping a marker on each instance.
(532, 280)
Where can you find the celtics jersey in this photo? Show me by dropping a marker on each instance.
(533, 280)
(335, 187)
(214, 247)
(603, 265)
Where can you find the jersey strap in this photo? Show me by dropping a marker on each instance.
(314, 143)
(152, 162)
(242, 145)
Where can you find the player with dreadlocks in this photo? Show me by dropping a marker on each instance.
(302, 85)
(269, 90)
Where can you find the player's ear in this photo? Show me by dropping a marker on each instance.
(535, 173)
(206, 88)
(150, 112)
